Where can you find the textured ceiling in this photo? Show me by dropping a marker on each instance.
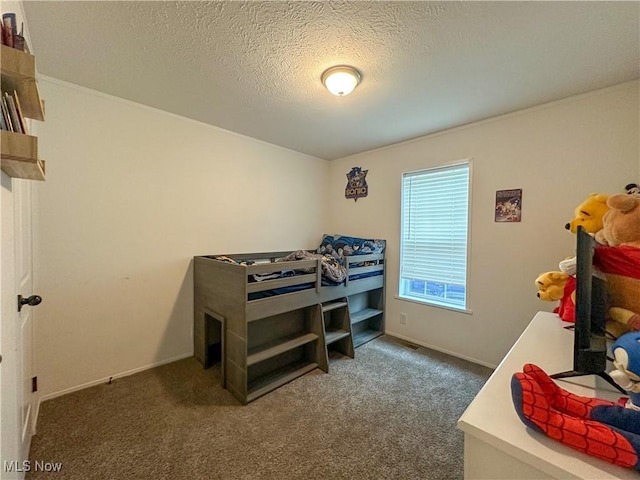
(254, 67)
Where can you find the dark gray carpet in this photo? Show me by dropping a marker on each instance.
(389, 413)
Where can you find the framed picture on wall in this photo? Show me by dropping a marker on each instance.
(508, 205)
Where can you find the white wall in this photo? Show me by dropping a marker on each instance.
(131, 195)
(557, 153)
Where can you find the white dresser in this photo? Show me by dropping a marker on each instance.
(497, 445)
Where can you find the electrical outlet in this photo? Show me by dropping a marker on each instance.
(403, 319)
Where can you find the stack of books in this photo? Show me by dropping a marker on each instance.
(12, 119)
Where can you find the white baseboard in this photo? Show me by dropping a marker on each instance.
(101, 381)
(439, 349)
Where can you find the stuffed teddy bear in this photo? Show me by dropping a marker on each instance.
(621, 224)
(619, 258)
(558, 286)
(589, 214)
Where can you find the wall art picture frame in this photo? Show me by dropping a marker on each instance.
(356, 184)
(508, 206)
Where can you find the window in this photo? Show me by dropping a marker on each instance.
(433, 240)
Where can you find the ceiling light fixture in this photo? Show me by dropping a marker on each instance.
(341, 79)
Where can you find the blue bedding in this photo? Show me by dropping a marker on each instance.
(333, 249)
(340, 246)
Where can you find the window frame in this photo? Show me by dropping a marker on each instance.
(432, 300)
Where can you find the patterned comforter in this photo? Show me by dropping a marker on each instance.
(331, 252)
(332, 269)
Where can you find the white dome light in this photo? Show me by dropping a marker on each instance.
(341, 80)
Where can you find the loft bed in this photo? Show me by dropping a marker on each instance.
(270, 317)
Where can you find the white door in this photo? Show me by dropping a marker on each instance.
(16, 327)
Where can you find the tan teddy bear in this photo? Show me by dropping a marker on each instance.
(619, 259)
(621, 224)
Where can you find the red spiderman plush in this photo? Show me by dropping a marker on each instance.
(593, 426)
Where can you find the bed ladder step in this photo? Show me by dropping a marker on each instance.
(336, 324)
(333, 335)
(328, 306)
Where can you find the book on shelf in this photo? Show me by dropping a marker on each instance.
(9, 20)
(3, 123)
(23, 121)
(5, 113)
(13, 113)
(7, 36)
(10, 28)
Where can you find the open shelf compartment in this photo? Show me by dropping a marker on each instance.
(18, 70)
(19, 156)
(278, 346)
(367, 316)
(262, 377)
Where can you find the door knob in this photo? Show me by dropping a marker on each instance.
(32, 301)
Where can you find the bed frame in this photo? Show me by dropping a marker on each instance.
(267, 342)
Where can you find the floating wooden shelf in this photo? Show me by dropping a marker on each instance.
(18, 151)
(18, 71)
(19, 156)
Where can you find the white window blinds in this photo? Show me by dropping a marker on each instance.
(435, 205)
